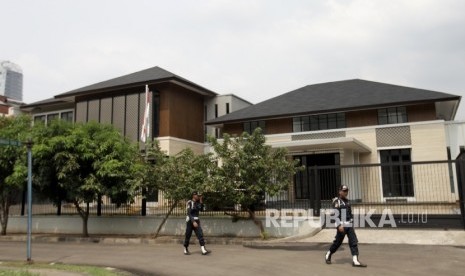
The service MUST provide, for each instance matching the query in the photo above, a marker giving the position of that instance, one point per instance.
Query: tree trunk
(258, 223)
(4, 212)
(165, 218)
(85, 217)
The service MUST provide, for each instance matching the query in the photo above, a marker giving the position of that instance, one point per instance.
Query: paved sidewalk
(386, 251)
(307, 259)
(376, 236)
(397, 236)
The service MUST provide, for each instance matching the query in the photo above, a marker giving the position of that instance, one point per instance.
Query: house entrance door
(320, 178)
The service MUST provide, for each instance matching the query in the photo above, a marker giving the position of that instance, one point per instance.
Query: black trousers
(198, 232)
(353, 241)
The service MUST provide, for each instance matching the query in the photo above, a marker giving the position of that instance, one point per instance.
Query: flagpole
(146, 135)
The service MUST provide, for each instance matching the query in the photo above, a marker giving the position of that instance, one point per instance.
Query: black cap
(195, 193)
(343, 188)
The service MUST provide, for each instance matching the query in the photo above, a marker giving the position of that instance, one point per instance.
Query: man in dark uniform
(194, 206)
(344, 225)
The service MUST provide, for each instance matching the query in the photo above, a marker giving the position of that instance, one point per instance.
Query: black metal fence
(421, 188)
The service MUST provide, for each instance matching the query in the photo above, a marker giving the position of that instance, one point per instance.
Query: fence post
(99, 205)
(460, 165)
(23, 201)
(313, 191)
(143, 211)
(317, 205)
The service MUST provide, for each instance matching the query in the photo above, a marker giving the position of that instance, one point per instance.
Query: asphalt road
(306, 259)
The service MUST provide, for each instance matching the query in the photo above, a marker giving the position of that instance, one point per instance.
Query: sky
(255, 49)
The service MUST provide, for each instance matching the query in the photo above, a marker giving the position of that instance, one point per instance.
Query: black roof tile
(148, 75)
(333, 97)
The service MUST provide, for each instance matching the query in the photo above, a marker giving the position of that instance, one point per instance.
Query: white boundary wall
(215, 227)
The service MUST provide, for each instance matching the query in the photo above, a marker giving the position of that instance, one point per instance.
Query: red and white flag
(146, 124)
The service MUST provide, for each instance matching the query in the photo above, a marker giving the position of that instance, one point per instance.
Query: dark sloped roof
(333, 97)
(45, 102)
(154, 74)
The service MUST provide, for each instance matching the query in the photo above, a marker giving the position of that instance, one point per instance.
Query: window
(51, 117)
(48, 118)
(40, 118)
(396, 173)
(227, 108)
(216, 111)
(392, 115)
(217, 133)
(249, 127)
(67, 116)
(319, 122)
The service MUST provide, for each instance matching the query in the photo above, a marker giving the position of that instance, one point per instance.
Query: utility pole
(29, 198)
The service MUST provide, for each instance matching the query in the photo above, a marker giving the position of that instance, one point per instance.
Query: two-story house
(337, 128)
(179, 107)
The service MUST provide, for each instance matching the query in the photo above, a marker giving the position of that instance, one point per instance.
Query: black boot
(328, 257)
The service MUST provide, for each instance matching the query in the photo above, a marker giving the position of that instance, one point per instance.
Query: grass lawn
(36, 269)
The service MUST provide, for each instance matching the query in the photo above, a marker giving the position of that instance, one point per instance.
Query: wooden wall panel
(81, 112)
(277, 126)
(106, 110)
(94, 111)
(119, 104)
(233, 129)
(362, 118)
(181, 114)
(421, 112)
(132, 117)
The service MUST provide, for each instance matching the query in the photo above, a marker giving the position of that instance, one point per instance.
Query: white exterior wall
(235, 103)
(428, 142)
(173, 145)
(455, 137)
(135, 225)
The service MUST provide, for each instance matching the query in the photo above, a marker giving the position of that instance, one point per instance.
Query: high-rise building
(11, 80)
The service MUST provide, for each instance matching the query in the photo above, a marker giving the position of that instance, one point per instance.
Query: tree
(45, 169)
(90, 160)
(182, 174)
(146, 173)
(13, 164)
(249, 169)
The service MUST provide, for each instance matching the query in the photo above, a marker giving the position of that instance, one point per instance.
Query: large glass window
(51, 117)
(39, 119)
(392, 115)
(48, 118)
(396, 171)
(67, 116)
(249, 127)
(319, 122)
